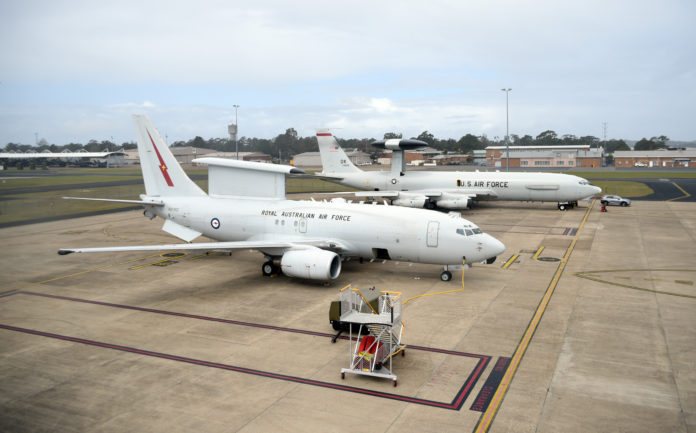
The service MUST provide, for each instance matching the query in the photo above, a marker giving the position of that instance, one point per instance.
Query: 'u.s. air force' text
(307, 215)
(486, 184)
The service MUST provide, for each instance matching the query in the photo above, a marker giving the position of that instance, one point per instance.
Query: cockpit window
(584, 182)
(469, 231)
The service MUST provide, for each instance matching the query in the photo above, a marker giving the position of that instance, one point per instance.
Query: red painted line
(323, 134)
(162, 166)
(232, 322)
(455, 405)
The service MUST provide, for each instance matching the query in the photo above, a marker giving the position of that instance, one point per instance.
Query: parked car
(614, 200)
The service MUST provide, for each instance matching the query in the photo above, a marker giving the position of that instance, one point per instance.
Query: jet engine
(417, 201)
(454, 202)
(312, 264)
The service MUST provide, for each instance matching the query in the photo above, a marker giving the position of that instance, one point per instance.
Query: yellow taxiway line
(510, 261)
(536, 255)
(24, 286)
(686, 194)
(487, 417)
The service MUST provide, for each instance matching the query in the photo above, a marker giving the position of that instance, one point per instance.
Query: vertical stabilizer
(333, 158)
(162, 174)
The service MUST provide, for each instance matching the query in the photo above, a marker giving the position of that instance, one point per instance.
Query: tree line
(286, 145)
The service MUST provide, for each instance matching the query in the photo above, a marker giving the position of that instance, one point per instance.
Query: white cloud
(372, 67)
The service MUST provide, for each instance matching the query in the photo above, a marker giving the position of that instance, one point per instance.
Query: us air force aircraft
(246, 209)
(445, 189)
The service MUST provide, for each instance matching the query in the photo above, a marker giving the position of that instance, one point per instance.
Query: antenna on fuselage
(399, 146)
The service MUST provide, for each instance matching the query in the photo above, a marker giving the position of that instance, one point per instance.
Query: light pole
(236, 126)
(507, 126)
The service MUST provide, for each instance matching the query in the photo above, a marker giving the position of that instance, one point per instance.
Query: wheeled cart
(370, 354)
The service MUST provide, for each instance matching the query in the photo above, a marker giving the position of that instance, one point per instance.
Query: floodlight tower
(232, 129)
(507, 126)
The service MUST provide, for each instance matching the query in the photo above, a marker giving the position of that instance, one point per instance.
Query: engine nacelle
(417, 202)
(454, 203)
(312, 264)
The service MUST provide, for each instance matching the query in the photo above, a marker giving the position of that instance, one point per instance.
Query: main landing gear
(269, 268)
(567, 205)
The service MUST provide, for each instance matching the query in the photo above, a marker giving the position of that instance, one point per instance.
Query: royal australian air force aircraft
(246, 208)
(445, 189)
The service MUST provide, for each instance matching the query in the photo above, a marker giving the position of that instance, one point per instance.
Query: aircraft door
(303, 225)
(433, 229)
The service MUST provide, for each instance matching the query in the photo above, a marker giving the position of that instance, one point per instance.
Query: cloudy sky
(71, 71)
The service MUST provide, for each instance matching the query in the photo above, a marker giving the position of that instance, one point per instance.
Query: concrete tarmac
(596, 331)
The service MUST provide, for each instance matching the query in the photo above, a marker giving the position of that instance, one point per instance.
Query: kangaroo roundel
(215, 223)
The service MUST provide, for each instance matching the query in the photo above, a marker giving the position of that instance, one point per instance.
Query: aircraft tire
(268, 269)
(446, 276)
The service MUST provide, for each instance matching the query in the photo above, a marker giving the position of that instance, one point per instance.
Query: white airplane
(246, 209)
(445, 189)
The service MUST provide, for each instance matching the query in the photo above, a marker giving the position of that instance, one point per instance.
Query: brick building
(545, 156)
(655, 158)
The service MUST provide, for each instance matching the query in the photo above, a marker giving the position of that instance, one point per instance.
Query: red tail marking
(162, 166)
(323, 134)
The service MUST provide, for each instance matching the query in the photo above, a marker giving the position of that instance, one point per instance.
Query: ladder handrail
(364, 299)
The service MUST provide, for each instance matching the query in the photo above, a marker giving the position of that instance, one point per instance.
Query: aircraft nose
(496, 247)
(492, 247)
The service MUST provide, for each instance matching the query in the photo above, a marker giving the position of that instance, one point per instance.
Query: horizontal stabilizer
(249, 165)
(181, 232)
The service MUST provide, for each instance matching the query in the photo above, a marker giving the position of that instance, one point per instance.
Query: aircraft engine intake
(312, 264)
(410, 201)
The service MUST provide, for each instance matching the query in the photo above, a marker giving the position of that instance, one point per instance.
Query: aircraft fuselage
(525, 186)
(363, 230)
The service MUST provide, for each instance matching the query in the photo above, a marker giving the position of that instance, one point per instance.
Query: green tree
(589, 139)
(427, 137)
(547, 138)
(389, 135)
(645, 144)
(527, 140)
(611, 146)
(197, 142)
(286, 144)
(468, 143)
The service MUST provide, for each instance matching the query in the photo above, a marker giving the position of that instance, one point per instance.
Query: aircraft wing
(480, 194)
(321, 176)
(140, 202)
(215, 246)
(386, 194)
